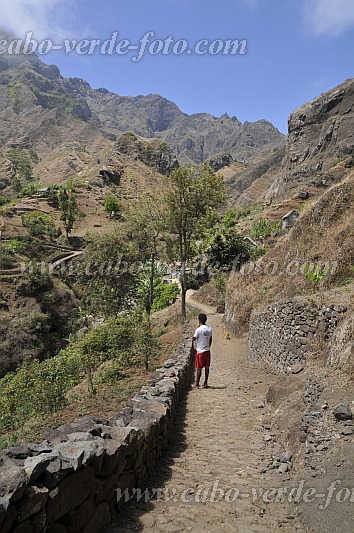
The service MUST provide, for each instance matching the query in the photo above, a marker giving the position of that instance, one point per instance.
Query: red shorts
(202, 359)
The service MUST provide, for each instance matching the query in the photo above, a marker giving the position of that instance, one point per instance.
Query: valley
(111, 209)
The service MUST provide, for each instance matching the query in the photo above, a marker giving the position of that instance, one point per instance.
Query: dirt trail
(219, 442)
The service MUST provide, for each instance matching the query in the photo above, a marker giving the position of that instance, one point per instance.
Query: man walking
(204, 337)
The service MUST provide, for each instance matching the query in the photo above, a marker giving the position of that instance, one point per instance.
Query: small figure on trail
(204, 337)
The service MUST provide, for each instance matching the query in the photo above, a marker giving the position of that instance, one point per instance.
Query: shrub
(257, 253)
(37, 278)
(315, 273)
(220, 282)
(12, 246)
(230, 218)
(36, 388)
(29, 189)
(39, 224)
(228, 250)
(7, 250)
(34, 155)
(52, 196)
(40, 388)
(111, 374)
(350, 163)
(38, 323)
(110, 338)
(164, 295)
(262, 228)
(17, 184)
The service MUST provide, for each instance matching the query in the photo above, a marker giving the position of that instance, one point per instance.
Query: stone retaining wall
(69, 482)
(285, 333)
(341, 350)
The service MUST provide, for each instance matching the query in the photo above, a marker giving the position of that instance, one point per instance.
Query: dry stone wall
(69, 483)
(285, 333)
(341, 350)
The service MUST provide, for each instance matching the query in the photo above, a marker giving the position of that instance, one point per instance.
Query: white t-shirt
(203, 334)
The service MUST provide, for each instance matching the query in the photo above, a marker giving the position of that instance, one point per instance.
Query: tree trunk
(184, 290)
(151, 287)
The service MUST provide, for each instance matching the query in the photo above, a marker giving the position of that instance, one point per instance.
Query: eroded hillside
(323, 234)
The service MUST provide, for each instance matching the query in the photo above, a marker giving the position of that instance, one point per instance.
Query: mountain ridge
(27, 84)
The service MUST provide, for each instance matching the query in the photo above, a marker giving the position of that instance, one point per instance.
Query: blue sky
(296, 49)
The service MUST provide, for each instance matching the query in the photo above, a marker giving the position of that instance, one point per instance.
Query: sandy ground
(219, 443)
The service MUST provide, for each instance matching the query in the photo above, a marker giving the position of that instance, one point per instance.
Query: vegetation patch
(40, 388)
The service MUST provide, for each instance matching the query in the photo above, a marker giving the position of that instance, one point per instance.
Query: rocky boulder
(220, 161)
(343, 412)
(152, 152)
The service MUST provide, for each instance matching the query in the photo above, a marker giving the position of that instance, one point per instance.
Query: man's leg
(199, 374)
(205, 384)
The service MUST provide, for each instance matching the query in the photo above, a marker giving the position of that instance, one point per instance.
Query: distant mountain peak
(197, 137)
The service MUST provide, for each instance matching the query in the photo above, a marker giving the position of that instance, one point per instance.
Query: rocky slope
(320, 137)
(35, 319)
(298, 313)
(249, 182)
(33, 322)
(152, 152)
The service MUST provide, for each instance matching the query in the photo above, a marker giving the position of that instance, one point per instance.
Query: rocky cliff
(320, 138)
(194, 137)
(249, 182)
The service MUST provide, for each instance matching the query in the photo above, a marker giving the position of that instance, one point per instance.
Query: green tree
(113, 206)
(21, 163)
(68, 209)
(106, 272)
(227, 249)
(147, 223)
(17, 184)
(145, 345)
(165, 295)
(192, 192)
